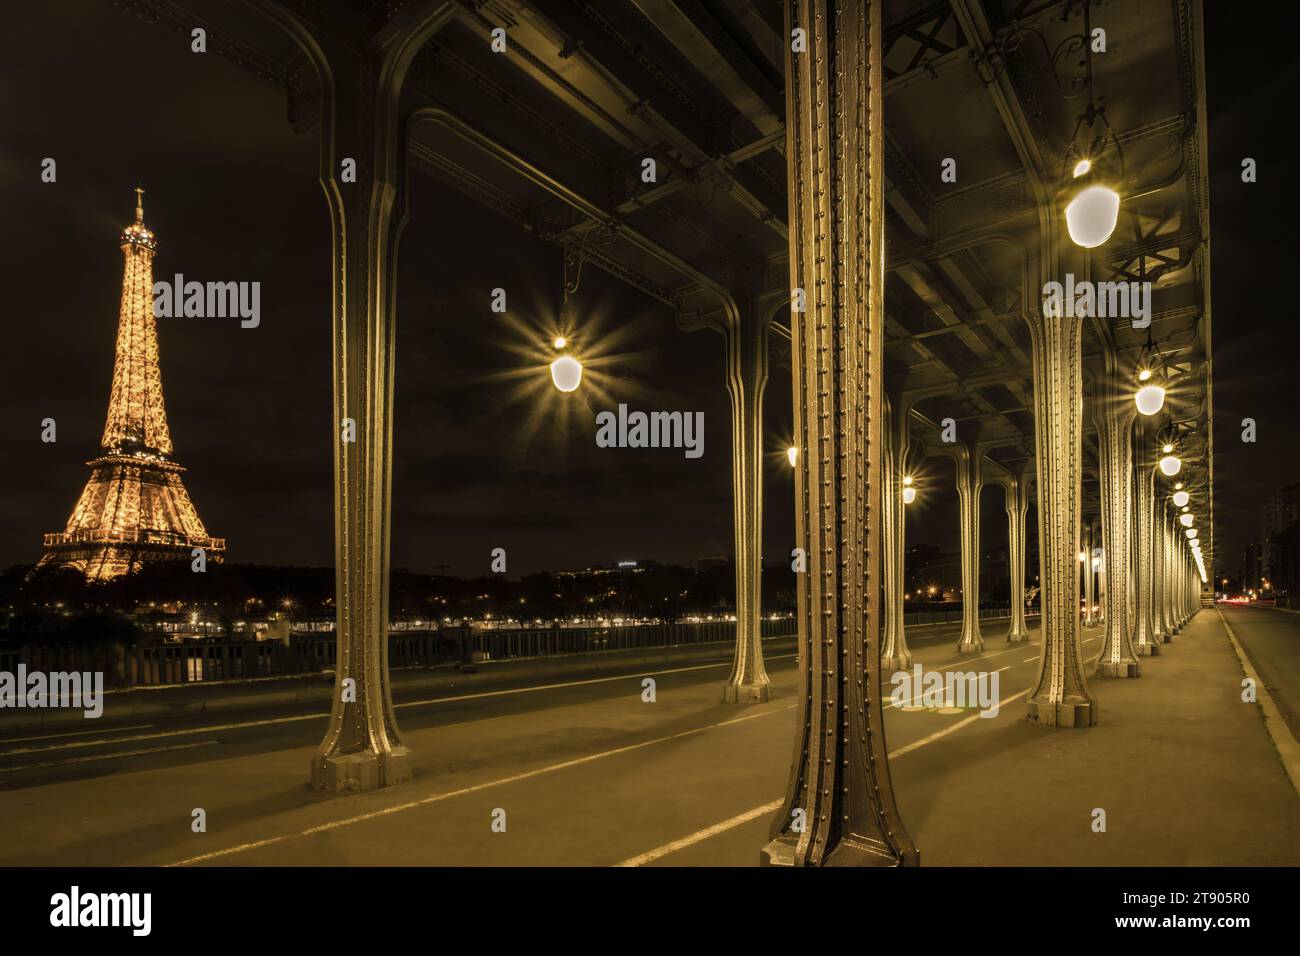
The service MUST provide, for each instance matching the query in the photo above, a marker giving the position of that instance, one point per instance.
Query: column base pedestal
(364, 770)
(1119, 669)
(747, 693)
(1014, 637)
(851, 851)
(1072, 712)
(970, 645)
(1148, 650)
(891, 665)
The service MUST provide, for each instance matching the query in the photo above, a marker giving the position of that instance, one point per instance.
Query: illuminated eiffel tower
(134, 509)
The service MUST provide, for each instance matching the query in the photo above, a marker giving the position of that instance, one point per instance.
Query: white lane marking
(923, 693)
(577, 683)
(699, 835)
(438, 797)
(125, 753)
(218, 728)
(964, 722)
(76, 733)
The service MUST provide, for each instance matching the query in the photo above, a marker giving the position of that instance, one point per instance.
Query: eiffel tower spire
(134, 509)
(136, 416)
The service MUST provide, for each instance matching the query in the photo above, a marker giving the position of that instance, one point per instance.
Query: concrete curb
(1288, 750)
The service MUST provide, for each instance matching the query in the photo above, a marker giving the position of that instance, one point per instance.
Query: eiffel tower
(134, 509)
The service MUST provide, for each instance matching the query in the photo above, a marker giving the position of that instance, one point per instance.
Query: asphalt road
(589, 728)
(1271, 639)
(584, 772)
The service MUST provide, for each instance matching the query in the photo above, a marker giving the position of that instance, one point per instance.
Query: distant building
(1284, 580)
(1280, 511)
(1251, 576)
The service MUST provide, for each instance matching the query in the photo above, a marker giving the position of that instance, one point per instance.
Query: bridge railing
(215, 659)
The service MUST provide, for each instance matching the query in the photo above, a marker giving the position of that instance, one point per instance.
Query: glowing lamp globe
(1150, 399)
(566, 373)
(1185, 520)
(1091, 216)
(1190, 532)
(1181, 498)
(1082, 556)
(792, 455)
(1170, 465)
(909, 495)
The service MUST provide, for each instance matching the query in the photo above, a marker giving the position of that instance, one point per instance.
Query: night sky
(487, 453)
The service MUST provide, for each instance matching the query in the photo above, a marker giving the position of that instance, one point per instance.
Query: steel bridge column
(1017, 503)
(1159, 626)
(1060, 697)
(970, 481)
(894, 655)
(839, 807)
(746, 343)
(1115, 447)
(1145, 637)
(1089, 618)
(1171, 556)
(1187, 587)
(363, 119)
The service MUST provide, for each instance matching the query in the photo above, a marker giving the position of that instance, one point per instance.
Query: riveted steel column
(1184, 586)
(970, 481)
(363, 118)
(1171, 556)
(1017, 502)
(839, 807)
(1159, 630)
(1060, 697)
(746, 380)
(1115, 448)
(1089, 618)
(894, 655)
(1145, 640)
